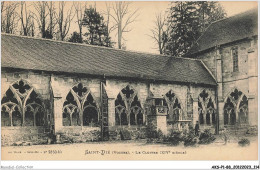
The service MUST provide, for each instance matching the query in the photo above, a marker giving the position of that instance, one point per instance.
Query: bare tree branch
(79, 11)
(122, 17)
(9, 19)
(40, 16)
(159, 32)
(64, 20)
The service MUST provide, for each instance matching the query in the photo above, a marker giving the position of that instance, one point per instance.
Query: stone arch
(90, 111)
(234, 99)
(177, 97)
(230, 91)
(211, 96)
(74, 105)
(28, 104)
(175, 107)
(135, 92)
(125, 113)
(206, 107)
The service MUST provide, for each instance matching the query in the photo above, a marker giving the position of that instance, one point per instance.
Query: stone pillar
(253, 84)
(221, 114)
(57, 105)
(220, 104)
(204, 117)
(111, 112)
(57, 113)
(162, 123)
(195, 111)
(210, 118)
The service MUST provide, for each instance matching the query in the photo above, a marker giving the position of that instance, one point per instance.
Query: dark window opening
(234, 53)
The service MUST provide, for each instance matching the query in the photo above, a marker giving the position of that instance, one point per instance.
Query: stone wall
(78, 134)
(244, 80)
(54, 89)
(27, 134)
(11, 136)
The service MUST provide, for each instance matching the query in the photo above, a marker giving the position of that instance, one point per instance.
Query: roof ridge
(215, 22)
(54, 56)
(83, 44)
(235, 15)
(95, 46)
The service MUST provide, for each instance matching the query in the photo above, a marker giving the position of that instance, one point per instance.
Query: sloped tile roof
(228, 30)
(56, 56)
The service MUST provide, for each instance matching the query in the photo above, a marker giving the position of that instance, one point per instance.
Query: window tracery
(232, 113)
(22, 106)
(174, 106)
(128, 110)
(80, 108)
(206, 109)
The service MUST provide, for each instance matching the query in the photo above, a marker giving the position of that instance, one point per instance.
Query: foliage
(141, 134)
(174, 138)
(154, 135)
(244, 142)
(75, 38)
(125, 134)
(190, 138)
(206, 137)
(151, 131)
(97, 33)
(187, 21)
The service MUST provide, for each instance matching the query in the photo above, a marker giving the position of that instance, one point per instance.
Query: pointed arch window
(80, 108)
(234, 53)
(201, 114)
(128, 110)
(206, 109)
(236, 108)
(243, 110)
(175, 111)
(22, 106)
(136, 115)
(90, 112)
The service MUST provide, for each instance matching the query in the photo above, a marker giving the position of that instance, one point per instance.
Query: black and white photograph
(130, 81)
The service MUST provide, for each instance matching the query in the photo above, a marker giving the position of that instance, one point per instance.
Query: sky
(137, 39)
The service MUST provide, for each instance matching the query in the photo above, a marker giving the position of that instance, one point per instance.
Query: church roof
(228, 30)
(57, 56)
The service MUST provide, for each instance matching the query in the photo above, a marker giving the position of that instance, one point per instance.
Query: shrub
(244, 142)
(174, 138)
(151, 131)
(190, 139)
(160, 136)
(153, 135)
(125, 135)
(206, 137)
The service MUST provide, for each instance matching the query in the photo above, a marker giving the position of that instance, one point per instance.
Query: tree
(52, 19)
(208, 12)
(40, 16)
(182, 27)
(108, 13)
(46, 18)
(9, 17)
(75, 38)
(27, 23)
(123, 17)
(96, 29)
(79, 10)
(159, 32)
(187, 21)
(64, 20)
